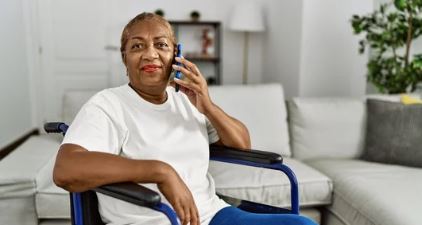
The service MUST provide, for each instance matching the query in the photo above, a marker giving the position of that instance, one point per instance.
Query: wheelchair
(84, 205)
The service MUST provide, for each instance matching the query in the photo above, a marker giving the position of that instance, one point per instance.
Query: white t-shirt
(120, 122)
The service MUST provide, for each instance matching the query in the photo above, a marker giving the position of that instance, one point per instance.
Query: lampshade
(247, 16)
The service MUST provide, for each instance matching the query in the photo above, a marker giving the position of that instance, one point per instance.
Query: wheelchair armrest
(131, 192)
(55, 127)
(250, 155)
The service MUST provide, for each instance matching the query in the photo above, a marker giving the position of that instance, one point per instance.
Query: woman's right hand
(180, 197)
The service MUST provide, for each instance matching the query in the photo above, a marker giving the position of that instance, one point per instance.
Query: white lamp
(247, 17)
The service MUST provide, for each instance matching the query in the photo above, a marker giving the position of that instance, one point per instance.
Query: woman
(147, 133)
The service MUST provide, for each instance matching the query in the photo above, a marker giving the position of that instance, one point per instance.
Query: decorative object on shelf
(202, 40)
(207, 43)
(195, 15)
(159, 12)
(389, 32)
(247, 17)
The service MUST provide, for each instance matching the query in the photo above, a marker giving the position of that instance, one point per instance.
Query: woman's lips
(150, 68)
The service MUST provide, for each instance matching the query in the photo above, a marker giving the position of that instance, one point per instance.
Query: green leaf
(401, 5)
(417, 63)
(392, 17)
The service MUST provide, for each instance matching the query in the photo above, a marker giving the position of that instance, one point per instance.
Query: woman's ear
(174, 55)
(175, 50)
(124, 58)
(125, 63)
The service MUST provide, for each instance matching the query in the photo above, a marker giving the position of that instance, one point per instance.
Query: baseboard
(9, 148)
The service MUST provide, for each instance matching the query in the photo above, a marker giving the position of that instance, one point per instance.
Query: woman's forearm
(77, 169)
(231, 131)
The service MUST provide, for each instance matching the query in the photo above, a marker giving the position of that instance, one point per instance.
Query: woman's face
(148, 55)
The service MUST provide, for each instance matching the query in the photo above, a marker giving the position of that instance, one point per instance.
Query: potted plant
(389, 33)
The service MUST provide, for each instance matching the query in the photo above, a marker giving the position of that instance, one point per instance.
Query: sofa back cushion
(394, 133)
(326, 127)
(72, 103)
(261, 108)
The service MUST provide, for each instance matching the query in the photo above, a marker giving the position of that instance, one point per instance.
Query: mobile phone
(178, 74)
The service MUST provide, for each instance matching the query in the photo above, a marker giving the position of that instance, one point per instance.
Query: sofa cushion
(368, 193)
(72, 103)
(394, 133)
(261, 108)
(326, 127)
(270, 186)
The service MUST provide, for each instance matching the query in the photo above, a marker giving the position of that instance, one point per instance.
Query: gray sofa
(321, 139)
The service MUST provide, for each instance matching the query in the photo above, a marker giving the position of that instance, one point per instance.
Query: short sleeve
(96, 130)
(212, 132)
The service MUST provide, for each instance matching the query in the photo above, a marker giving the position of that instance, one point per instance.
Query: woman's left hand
(195, 86)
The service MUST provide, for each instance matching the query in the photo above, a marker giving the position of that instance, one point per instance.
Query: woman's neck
(158, 98)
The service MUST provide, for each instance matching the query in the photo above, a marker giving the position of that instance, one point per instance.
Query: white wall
(282, 44)
(15, 106)
(330, 64)
(297, 49)
(309, 47)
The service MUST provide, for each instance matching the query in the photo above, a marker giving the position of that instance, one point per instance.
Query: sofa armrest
(131, 192)
(18, 179)
(250, 155)
(21, 167)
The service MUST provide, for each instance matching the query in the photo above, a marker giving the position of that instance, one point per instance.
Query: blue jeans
(234, 216)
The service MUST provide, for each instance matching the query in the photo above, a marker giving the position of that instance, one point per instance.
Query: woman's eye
(136, 46)
(162, 45)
